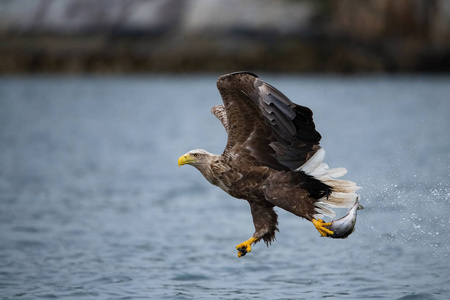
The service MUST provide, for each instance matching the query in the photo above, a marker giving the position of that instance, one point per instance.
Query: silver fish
(344, 226)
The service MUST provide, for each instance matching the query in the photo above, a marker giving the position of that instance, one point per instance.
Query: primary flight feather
(272, 158)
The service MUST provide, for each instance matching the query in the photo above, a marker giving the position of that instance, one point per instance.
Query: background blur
(94, 206)
(215, 35)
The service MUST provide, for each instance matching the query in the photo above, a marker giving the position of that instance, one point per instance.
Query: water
(94, 206)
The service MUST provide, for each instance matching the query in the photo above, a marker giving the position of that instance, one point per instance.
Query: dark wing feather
(249, 137)
(221, 114)
(264, 126)
(296, 136)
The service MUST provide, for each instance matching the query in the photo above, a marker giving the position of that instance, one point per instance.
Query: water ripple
(94, 206)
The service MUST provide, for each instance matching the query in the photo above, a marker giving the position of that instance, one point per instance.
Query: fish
(344, 226)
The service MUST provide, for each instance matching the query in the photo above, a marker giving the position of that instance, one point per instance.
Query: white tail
(343, 191)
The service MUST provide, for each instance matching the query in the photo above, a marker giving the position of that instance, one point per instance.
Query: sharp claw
(323, 222)
(320, 226)
(245, 247)
(242, 251)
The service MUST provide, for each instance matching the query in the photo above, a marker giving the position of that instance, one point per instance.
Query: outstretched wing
(264, 126)
(221, 114)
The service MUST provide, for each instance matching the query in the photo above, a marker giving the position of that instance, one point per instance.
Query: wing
(264, 126)
(221, 114)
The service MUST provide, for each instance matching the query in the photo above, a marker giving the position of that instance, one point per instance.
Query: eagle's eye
(195, 154)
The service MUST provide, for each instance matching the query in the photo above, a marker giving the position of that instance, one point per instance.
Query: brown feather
(270, 139)
(266, 125)
(221, 114)
(295, 192)
(265, 221)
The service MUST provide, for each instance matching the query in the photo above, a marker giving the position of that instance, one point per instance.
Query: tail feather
(343, 191)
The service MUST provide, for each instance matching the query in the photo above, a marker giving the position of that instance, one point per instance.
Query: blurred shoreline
(347, 36)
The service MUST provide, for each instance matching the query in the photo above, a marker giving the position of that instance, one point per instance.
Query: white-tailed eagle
(272, 158)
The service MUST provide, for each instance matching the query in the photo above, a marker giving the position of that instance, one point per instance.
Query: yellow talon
(320, 226)
(245, 247)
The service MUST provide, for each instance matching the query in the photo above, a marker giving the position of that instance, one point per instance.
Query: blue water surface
(94, 206)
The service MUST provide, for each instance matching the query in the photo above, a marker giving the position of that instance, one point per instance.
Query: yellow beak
(185, 159)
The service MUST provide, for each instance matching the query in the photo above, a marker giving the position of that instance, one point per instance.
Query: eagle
(272, 159)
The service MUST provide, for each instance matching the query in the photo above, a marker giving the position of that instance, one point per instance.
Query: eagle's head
(198, 158)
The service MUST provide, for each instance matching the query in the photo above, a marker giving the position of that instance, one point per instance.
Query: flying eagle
(272, 158)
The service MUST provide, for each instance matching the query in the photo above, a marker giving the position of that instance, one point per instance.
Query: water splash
(415, 214)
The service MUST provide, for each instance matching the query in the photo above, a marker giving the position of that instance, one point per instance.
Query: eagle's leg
(320, 226)
(265, 222)
(245, 247)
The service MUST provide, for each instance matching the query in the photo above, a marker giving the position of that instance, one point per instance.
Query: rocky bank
(223, 35)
